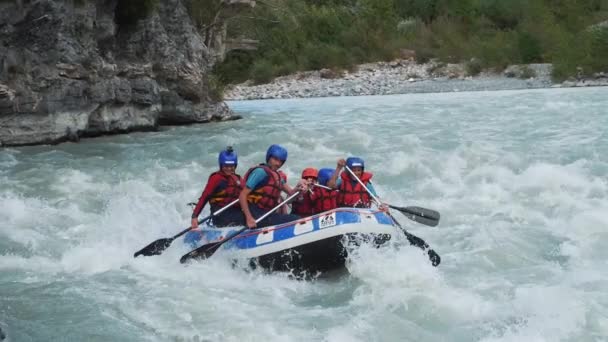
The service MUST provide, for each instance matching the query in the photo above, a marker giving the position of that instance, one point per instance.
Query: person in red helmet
(262, 191)
(351, 192)
(302, 206)
(223, 187)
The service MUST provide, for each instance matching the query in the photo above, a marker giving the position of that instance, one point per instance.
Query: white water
(520, 178)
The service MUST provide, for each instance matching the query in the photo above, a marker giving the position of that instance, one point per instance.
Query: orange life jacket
(324, 199)
(227, 194)
(266, 196)
(354, 195)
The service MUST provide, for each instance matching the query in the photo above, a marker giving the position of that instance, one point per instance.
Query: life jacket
(266, 196)
(302, 207)
(354, 195)
(229, 190)
(324, 200)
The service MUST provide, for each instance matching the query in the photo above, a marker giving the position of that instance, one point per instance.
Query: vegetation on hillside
(313, 34)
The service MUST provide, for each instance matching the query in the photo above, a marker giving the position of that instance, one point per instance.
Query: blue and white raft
(312, 245)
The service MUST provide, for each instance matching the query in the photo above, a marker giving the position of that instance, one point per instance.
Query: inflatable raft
(310, 245)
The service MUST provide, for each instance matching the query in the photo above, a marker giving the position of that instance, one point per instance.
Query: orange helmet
(310, 172)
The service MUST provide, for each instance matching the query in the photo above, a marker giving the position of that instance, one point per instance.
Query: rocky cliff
(70, 69)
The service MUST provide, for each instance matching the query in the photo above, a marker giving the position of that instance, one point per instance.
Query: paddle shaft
(421, 215)
(431, 215)
(277, 207)
(158, 246)
(363, 185)
(206, 218)
(323, 186)
(418, 242)
(413, 239)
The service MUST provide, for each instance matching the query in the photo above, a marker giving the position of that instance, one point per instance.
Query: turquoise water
(520, 178)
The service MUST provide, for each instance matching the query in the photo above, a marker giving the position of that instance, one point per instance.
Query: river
(519, 177)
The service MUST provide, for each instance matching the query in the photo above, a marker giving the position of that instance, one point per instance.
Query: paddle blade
(203, 252)
(421, 215)
(434, 257)
(155, 248)
(423, 212)
(415, 241)
(418, 242)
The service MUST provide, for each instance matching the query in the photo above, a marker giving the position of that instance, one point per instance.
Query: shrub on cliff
(326, 56)
(582, 54)
(262, 71)
(529, 48)
(598, 57)
(216, 87)
(473, 67)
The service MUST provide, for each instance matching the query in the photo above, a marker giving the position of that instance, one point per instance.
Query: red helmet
(310, 172)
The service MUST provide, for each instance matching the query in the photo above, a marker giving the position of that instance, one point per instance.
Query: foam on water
(519, 179)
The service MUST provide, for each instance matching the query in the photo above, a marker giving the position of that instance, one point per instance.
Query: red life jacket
(324, 199)
(354, 195)
(266, 196)
(302, 207)
(227, 194)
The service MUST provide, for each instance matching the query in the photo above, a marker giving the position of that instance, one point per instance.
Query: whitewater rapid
(519, 177)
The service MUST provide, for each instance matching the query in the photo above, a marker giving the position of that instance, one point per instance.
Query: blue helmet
(227, 157)
(325, 175)
(355, 162)
(276, 151)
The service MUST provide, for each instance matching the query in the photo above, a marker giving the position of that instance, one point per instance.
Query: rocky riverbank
(401, 77)
(70, 69)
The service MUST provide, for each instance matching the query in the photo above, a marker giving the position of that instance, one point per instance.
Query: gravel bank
(402, 77)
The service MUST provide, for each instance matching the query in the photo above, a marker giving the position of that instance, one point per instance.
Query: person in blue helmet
(263, 187)
(324, 198)
(351, 192)
(223, 187)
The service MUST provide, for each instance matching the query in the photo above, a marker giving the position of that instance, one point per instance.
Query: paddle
(158, 246)
(324, 187)
(205, 251)
(418, 242)
(413, 239)
(421, 215)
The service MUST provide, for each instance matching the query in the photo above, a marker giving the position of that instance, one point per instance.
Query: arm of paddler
(212, 184)
(249, 220)
(382, 206)
(255, 178)
(333, 181)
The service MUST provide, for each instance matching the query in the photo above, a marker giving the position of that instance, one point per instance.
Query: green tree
(529, 47)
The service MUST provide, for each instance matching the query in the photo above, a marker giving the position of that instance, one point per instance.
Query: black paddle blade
(416, 241)
(203, 252)
(428, 213)
(421, 215)
(155, 248)
(434, 257)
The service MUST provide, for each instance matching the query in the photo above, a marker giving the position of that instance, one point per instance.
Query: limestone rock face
(68, 69)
